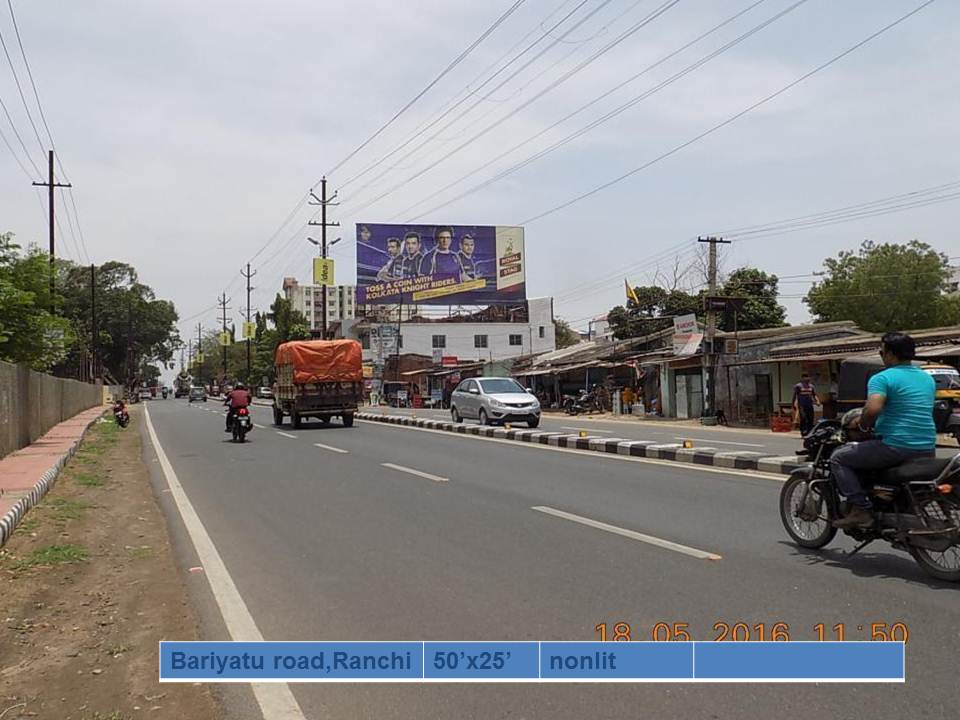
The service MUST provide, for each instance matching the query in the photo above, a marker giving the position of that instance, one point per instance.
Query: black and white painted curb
(736, 459)
(13, 516)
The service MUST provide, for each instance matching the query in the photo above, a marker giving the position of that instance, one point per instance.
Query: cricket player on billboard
(442, 264)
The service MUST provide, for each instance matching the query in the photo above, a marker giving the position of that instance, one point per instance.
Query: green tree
(565, 335)
(654, 311)
(134, 326)
(29, 333)
(761, 309)
(885, 287)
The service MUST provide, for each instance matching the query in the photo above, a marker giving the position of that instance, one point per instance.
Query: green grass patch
(115, 715)
(64, 509)
(28, 524)
(140, 553)
(53, 555)
(88, 479)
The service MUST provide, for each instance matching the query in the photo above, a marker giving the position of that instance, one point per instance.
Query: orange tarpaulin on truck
(318, 361)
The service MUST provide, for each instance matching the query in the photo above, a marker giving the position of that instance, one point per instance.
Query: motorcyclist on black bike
(900, 409)
(237, 398)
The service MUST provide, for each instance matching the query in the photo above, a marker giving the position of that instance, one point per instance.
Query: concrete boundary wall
(31, 403)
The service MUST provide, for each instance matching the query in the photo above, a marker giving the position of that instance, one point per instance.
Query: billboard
(440, 264)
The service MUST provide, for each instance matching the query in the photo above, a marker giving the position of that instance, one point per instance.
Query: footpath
(90, 583)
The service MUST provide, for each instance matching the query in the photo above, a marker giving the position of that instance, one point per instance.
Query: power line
(16, 132)
(729, 120)
(456, 61)
(23, 98)
(636, 27)
(551, 86)
(602, 119)
(581, 21)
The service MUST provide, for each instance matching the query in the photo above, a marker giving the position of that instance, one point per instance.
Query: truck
(317, 378)
(181, 384)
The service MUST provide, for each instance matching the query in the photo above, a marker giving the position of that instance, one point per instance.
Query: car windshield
(500, 385)
(945, 378)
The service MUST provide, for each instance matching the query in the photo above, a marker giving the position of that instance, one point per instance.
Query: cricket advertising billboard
(440, 264)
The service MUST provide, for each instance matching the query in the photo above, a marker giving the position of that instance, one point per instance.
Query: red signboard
(449, 361)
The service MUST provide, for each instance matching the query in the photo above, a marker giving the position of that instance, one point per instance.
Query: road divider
(732, 459)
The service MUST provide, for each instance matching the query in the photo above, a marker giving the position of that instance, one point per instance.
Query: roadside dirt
(88, 587)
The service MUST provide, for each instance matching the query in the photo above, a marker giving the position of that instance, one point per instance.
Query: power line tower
(50, 184)
(709, 356)
(222, 302)
(248, 275)
(323, 201)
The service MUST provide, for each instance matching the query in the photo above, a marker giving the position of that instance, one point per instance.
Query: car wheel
(455, 415)
(483, 417)
(533, 422)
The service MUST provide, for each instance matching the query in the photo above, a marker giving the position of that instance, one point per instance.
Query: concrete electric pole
(709, 357)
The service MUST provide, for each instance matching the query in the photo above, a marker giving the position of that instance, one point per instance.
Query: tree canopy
(886, 287)
(565, 335)
(658, 306)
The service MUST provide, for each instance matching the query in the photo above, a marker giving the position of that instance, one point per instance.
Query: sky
(190, 131)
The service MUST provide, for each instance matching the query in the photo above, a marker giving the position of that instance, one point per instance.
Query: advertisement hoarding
(323, 271)
(440, 264)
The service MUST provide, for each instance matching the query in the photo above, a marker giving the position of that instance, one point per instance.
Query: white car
(264, 392)
(493, 400)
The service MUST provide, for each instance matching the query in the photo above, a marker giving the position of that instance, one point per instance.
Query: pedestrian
(627, 398)
(804, 398)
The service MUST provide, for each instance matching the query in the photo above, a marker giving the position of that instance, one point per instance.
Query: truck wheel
(295, 420)
(277, 416)
(347, 419)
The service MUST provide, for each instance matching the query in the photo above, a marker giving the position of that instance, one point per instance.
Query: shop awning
(935, 351)
(822, 357)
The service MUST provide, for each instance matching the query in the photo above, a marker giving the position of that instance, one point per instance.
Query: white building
(308, 299)
(466, 341)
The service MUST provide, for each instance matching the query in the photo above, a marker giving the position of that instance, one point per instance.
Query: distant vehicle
(165, 391)
(197, 393)
(318, 378)
(494, 399)
(182, 384)
(264, 392)
(145, 394)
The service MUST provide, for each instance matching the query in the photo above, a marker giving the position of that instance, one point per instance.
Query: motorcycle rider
(900, 408)
(237, 398)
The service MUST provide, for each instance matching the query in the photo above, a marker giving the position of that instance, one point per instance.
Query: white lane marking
(275, 699)
(587, 430)
(649, 539)
(419, 473)
(259, 426)
(330, 448)
(721, 442)
(592, 453)
(293, 437)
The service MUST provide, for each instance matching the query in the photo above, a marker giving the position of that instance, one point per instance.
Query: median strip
(674, 452)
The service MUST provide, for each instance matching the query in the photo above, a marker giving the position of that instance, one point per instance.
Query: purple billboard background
(380, 274)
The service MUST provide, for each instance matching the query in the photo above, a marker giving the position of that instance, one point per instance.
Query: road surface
(383, 532)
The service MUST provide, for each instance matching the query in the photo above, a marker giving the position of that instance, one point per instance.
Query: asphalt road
(324, 544)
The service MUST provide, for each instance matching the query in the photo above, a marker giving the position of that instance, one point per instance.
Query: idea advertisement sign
(440, 264)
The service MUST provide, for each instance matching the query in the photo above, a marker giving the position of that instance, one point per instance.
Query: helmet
(241, 386)
(850, 424)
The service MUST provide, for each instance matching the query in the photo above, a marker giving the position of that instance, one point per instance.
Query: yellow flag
(631, 293)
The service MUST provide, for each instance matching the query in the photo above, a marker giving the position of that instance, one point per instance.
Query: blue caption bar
(531, 661)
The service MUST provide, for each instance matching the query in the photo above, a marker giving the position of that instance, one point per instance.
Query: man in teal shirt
(900, 408)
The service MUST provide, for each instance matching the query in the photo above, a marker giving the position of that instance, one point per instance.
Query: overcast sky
(191, 130)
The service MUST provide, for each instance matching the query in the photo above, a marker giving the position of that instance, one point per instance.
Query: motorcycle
(585, 402)
(916, 506)
(121, 416)
(240, 424)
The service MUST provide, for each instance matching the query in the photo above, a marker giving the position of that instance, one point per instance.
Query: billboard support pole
(396, 355)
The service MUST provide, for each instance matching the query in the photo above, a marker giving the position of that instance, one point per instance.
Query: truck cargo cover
(319, 361)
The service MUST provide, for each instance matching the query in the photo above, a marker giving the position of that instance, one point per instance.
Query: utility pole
(396, 358)
(709, 357)
(248, 275)
(94, 339)
(200, 353)
(50, 185)
(223, 309)
(323, 201)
